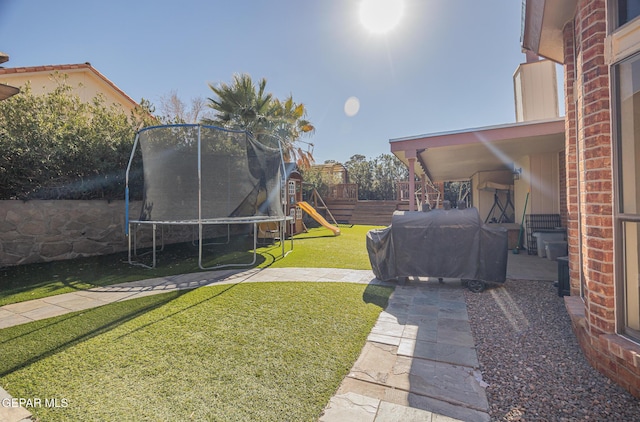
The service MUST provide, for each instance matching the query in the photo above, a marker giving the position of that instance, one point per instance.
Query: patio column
(412, 183)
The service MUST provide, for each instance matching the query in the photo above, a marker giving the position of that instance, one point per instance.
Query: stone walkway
(419, 362)
(24, 312)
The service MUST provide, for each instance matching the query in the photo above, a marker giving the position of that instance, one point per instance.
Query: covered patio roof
(459, 155)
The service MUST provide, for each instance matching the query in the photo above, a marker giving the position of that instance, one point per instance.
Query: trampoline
(199, 176)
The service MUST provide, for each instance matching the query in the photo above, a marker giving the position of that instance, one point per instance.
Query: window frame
(620, 217)
(614, 15)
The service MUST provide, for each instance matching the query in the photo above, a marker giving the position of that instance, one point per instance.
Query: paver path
(419, 362)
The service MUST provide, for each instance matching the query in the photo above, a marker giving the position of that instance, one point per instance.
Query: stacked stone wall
(41, 231)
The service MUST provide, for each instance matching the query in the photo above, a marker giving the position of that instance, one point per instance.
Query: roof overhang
(7, 91)
(543, 23)
(459, 155)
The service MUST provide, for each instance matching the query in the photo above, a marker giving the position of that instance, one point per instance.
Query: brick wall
(562, 171)
(594, 135)
(589, 194)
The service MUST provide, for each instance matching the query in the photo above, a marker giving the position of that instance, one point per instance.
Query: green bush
(54, 146)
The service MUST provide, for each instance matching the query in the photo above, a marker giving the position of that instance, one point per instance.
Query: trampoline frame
(218, 221)
(202, 222)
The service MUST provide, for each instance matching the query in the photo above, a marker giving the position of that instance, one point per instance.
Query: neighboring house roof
(24, 73)
(459, 155)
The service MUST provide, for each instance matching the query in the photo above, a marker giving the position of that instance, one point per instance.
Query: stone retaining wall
(40, 231)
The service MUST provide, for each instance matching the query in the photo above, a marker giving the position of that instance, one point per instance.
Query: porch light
(516, 173)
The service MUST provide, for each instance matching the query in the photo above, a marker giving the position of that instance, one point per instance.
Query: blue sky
(448, 65)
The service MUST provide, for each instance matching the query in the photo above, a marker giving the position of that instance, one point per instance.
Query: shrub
(54, 146)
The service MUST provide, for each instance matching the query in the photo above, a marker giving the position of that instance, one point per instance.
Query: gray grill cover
(440, 243)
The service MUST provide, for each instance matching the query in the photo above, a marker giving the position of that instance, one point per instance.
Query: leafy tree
(56, 146)
(377, 178)
(244, 105)
(458, 191)
(314, 178)
(387, 171)
(361, 172)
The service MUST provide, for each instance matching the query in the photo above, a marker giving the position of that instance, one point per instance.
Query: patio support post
(412, 183)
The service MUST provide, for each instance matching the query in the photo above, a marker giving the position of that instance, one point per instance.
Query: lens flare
(351, 106)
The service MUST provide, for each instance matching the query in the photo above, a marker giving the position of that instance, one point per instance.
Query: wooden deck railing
(426, 193)
(344, 192)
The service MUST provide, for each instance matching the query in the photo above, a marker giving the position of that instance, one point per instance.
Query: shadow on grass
(268, 254)
(34, 281)
(377, 294)
(305, 237)
(171, 315)
(26, 344)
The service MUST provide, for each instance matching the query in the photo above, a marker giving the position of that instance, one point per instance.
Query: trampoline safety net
(204, 175)
(195, 172)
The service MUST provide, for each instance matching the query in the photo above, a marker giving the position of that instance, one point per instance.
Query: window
(625, 11)
(627, 216)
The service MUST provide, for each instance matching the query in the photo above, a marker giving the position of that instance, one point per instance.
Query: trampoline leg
(283, 235)
(133, 247)
(129, 239)
(154, 246)
(215, 267)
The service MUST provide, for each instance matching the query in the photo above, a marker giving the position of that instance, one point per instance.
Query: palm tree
(289, 124)
(240, 105)
(245, 105)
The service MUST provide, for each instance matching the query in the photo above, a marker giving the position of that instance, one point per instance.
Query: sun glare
(381, 16)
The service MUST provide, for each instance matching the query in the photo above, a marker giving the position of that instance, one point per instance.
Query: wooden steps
(341, 210)
(374, 213)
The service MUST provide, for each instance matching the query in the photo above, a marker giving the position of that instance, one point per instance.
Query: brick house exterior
(593, 39)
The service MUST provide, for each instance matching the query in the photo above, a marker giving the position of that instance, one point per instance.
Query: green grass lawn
(253, 351)
(318, 248)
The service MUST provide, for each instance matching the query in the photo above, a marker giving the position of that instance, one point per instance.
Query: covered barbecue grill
(441, 243)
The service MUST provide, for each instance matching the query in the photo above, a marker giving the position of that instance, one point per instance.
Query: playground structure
(319, 218)
(295, 206)
(201, 176)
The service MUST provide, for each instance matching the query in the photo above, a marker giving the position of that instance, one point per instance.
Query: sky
(447, 65)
